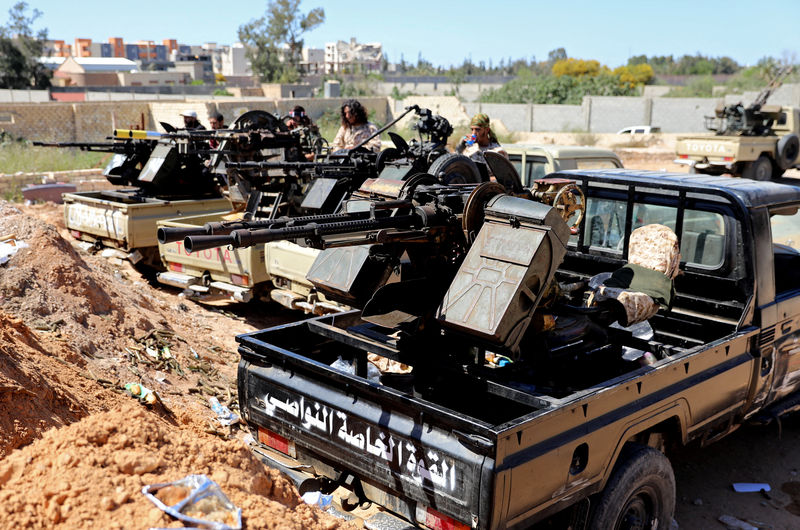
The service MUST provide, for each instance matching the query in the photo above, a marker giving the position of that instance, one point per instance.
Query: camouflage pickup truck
(572, 430)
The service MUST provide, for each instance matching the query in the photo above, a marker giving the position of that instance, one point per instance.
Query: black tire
(788, 149)
(453, 168)
(639, 495)
(761, 169)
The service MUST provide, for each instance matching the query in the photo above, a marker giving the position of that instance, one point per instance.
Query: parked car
(535, 161)
(639, 129)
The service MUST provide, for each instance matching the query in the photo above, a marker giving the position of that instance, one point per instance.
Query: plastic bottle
(471, 140)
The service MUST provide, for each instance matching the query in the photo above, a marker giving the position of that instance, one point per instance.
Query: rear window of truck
(703, 234)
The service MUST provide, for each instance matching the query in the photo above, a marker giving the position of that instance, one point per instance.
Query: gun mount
(755, 119)
(420, 256)
(130, 155)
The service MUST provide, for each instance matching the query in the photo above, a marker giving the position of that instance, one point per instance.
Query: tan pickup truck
(761, 146)
(126, 220)
(275, 271)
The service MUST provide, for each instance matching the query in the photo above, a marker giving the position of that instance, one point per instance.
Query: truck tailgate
(391, 440)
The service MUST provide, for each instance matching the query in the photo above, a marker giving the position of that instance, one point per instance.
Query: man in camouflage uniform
(355, 129)
(482, 139)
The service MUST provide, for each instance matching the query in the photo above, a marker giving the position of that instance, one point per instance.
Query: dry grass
(20, 157)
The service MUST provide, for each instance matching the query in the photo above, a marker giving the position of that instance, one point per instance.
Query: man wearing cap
(481, 140)
(190, 122)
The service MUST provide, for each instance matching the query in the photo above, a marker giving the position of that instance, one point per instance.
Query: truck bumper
(704, 164)
(306, 481)
(193, 288)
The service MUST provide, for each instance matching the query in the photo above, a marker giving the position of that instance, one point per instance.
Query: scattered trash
(194, 353)
(142, 393)
(113, 253)
(224, 414)
(750, 487)
(736, 524)
(673, 524)
(497, 359)
(698, 502)
(373, 373)
(249, 439)
(10, 245)
(198, 500)
(316, 498)
(161, 377)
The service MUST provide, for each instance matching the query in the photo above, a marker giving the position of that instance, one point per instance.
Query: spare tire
(453, 168)
(788, 149)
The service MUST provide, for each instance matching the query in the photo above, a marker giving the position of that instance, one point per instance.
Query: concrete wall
(8, 95)
(71, 122)
(610, 114)
(93, 120)
(675, 115)
(467, 91)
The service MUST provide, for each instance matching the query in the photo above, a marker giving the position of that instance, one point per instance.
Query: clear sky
(447, 32)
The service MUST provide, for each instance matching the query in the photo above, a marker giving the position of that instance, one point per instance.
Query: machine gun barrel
(315, 230)
(104, 147)
(385, 127)
(224, 228)
(310, 227)
(168, 234)
(271, 165)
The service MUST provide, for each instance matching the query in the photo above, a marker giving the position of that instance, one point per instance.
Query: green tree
(274, 42)
(20, 49)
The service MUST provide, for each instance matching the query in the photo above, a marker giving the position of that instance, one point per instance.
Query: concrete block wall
(48, 122)
(170, 112)
(558, 118)
(9, 95)
(467, 91)
(676, 115)
(610, 114)
(96, 121)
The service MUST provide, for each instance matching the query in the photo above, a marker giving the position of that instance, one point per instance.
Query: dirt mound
(39, 389)
(91, 474)
(48, 284)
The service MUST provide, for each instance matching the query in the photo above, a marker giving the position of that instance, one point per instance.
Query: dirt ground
(76, 448)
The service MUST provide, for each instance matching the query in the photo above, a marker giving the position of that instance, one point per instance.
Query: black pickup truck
(573, 429)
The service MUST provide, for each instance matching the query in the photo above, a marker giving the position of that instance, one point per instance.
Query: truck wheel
(639, 495)
(788, 149)
(453, 168)
(761, 169)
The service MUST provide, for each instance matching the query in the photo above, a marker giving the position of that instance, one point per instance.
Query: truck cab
(535, 161)
(571, 424)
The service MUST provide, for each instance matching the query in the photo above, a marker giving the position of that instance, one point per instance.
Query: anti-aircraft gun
(171, 174)
(756, 119)
(757, 141)
(337, 175)
(436, 241)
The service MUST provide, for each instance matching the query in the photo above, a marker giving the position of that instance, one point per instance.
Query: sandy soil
(76, 447)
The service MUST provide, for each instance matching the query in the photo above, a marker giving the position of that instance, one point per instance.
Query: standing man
(481, 140)
(217, 121)
(355, 128)
(190, 122)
